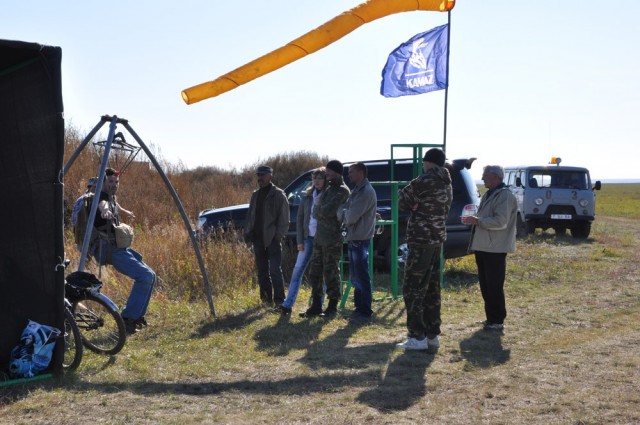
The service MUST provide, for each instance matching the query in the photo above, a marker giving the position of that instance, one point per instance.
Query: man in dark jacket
(267, 223)
(327, 244)
(428, 198)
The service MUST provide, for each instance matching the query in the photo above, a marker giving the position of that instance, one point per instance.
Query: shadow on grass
(21, 390)
(402, 385)
(453, 278)
(285, 336)
(334, 353)
(299, 385)
(302, 385)
(459, 279)
(337, 365)
(399, 388)
(484, 349)
(228, 323)
(331, 352)
(387, 313)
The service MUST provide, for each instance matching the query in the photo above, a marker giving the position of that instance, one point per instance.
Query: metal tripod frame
(114, 120)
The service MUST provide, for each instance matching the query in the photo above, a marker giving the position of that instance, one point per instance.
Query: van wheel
(581, 230)
(560, 231)
(524, 228)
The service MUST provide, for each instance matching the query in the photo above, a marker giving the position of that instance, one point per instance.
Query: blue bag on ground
(33, 354)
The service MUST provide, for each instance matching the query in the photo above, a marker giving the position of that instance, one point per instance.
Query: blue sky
(528, 80)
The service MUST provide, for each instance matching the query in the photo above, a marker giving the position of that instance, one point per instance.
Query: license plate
(561, 216)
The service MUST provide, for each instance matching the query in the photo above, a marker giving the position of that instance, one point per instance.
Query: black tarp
(31, 220)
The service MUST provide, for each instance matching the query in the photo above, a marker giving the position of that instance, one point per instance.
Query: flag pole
(446, 90)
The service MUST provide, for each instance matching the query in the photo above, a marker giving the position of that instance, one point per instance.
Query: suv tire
(524, 228)
(581, 230)
(560, 231)
(401, 255)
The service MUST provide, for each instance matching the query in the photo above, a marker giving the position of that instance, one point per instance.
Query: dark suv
(465, 194)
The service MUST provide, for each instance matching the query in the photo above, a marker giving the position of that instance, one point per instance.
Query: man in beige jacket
(494, 235)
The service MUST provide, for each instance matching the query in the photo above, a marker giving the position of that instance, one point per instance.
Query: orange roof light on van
(555, 160)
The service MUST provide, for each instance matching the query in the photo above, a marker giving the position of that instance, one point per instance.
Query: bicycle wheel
(101, 327)
(72, 343)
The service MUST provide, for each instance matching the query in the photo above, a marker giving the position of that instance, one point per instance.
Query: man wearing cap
(327, 244)
(266, 225)
(428, 200)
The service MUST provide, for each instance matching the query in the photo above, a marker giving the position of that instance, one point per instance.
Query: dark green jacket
(275, 220)
(328, 232)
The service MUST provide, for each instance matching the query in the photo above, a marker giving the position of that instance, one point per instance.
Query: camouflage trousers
(421, 291)
(325, 263)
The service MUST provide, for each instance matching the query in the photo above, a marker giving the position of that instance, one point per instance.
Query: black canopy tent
(31, 211)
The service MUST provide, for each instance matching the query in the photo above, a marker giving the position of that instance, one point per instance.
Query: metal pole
(96, 196)
(394, 239)
(446, 90)
(183, 214)
(444, 135)
(81, 146)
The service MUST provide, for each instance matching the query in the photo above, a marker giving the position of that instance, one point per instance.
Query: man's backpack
(82, 219)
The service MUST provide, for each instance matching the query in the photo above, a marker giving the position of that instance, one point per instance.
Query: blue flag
(417, 66)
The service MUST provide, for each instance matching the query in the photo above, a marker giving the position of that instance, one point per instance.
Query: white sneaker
(413, 344)
(433, 344)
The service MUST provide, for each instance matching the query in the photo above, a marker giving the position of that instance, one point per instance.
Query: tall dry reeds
(161, 236)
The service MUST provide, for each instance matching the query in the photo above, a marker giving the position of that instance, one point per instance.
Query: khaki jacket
(276, 216)
(496, 228)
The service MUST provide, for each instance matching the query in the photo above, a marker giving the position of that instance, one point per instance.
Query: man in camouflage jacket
(428, 199)
(327, 244)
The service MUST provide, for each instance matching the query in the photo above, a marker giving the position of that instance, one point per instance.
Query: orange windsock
(312, 41)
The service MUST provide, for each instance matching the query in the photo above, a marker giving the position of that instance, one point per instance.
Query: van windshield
(558, 179)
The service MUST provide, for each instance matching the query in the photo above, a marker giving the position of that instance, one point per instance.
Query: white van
(553, 196)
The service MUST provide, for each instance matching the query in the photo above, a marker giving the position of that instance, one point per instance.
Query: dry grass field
(570, 352)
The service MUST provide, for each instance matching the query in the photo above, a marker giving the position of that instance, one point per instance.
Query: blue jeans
(359, 275)
(268, 263)
(129, 262)
(304, 257)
